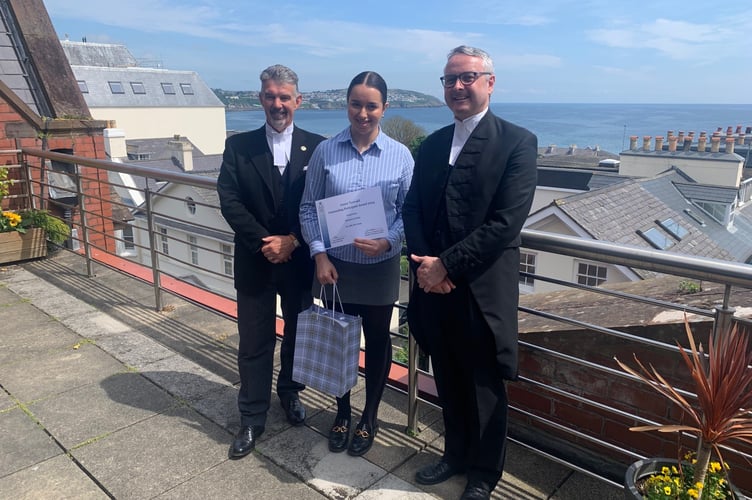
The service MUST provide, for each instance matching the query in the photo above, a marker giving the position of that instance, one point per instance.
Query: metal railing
(162, 229)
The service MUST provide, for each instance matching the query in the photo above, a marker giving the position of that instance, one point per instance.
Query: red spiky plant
(723, 385)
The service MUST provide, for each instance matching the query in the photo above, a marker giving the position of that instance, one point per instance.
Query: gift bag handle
(335, 297)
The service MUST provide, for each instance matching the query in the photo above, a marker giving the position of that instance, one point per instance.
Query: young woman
(366, 272)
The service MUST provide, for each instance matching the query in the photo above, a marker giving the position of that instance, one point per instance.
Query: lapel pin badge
(303, 148)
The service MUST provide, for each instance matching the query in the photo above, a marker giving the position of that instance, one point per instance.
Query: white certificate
(359, 214)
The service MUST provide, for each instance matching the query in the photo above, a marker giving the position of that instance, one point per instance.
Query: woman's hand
(325, 270)
(372, 248)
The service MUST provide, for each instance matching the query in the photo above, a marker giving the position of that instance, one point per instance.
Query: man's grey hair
(280, 74)
(473, 52)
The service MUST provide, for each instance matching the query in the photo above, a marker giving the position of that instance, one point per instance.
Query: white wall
(205, 127)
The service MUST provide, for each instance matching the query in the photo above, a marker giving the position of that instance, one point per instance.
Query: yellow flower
(667, 490)
(715, 466)
(13, 218)
(665, 471)
(693, 493)
(698, 485)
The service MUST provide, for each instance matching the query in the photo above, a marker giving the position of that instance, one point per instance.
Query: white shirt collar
(280, 144)
(462, 131)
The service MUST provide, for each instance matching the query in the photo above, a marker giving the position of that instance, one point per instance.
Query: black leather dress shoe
(362, 440)
(245, 441)
(294, 411)
(436, 473)
(339, 434)
(476, 490)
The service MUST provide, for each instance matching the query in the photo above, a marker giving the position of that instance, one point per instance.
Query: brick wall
(21, 129)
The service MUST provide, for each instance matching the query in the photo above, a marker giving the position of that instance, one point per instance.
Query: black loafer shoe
(362, 440)
(436, 473)
(245, 441)
(476, 490)
(294, 411)
(339, 434)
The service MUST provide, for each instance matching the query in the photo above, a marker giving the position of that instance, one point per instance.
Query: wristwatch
(295, 242)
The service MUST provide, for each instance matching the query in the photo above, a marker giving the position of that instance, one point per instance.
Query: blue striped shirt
(336, 167)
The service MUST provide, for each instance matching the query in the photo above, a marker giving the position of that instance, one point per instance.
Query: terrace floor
(101, 396)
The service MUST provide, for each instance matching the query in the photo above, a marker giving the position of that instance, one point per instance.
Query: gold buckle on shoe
(362, 433)
(340, 428)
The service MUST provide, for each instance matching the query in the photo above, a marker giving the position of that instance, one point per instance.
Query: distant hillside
(244, 100)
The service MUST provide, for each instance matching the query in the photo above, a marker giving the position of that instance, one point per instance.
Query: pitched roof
(616, 214)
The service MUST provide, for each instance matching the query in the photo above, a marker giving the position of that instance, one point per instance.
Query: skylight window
(695, 217)
(186, 88)
(657, 238)
(673, 228)
(82, 86)
(168, 88)
(117, 87)
(138, 88)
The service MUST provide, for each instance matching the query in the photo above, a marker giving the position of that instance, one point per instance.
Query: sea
(607, 126)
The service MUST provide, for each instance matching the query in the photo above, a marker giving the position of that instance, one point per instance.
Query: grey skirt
(366, 284)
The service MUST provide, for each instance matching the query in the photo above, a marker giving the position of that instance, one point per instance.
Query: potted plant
(722, 381)
(24, 233)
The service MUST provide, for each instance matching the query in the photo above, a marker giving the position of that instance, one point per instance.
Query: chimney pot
(633, 142)
(659, 143)
(715, 144)
(687, 144)
(738, 129)
(672, 143)
(740, 139)
(730, 145)
(646, 143)
(701, 143)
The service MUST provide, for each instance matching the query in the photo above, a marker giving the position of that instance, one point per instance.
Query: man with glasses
(472, 189)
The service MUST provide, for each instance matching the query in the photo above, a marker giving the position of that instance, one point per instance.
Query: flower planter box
(15, 246)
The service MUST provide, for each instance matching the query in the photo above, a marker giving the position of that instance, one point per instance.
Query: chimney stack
(182, 152)
(659, 143)
(646, 143)
(730, 145)
(633, 143)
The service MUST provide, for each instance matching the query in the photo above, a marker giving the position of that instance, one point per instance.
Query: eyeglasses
(467, 78)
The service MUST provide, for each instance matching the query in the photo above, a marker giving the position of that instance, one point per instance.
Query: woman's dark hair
(369, 79)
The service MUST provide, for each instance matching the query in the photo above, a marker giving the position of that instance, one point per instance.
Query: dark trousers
(257, 331)
(470, 387)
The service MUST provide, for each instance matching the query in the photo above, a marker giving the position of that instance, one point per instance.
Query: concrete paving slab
(394, 488)
(522, 468)
(183, 379)
(252, 477)
(120, 400)
(20, 344)
(155, 455)
(132, 348)
(451, 488)
(58, 371)
(580, 486)
(57, 477)
(6, 402)
(305, 453)
(221, 407)
(24, 443)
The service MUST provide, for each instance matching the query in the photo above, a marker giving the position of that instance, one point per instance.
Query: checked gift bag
(327, 348)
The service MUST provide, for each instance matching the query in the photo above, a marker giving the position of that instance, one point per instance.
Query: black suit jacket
(488, 195)
(248, 204)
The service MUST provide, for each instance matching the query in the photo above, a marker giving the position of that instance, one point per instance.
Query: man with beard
(260, 184)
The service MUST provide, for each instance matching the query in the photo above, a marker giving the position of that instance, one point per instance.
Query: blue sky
(544, 50)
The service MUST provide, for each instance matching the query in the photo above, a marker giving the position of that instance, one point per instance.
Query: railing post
(412, 375)
(724, 315)
(84, 224)
(153, 249)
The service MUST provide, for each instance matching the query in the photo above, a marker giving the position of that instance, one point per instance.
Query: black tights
(375, 320)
